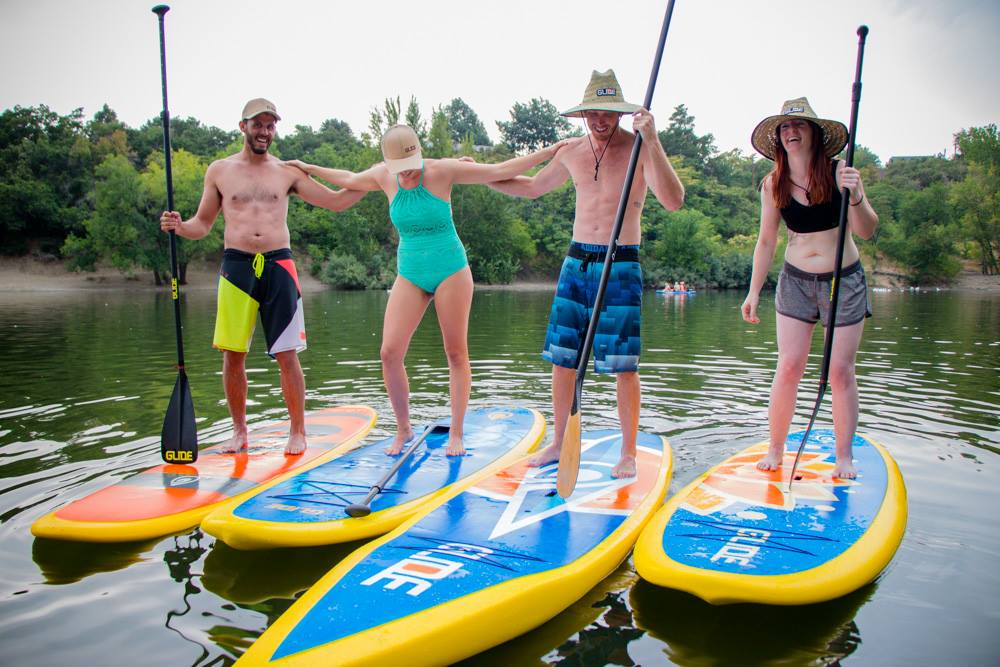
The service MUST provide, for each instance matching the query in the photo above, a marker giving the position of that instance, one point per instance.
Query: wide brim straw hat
(602, 94)
(765, 136)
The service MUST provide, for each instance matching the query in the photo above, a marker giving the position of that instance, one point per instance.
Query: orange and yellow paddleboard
(173, 497)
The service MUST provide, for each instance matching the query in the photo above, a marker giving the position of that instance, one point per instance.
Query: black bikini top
(817, 217)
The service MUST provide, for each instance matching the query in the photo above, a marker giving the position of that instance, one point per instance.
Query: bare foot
(296, 444)
(455, 447)
(547, 455)
(402, 437)
(625, 467)
(773, 459)
(845, 469)
(236, 443)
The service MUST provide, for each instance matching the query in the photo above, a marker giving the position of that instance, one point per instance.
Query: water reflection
(697, 633)
(86, 379)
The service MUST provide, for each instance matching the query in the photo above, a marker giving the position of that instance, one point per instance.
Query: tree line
(91, 191)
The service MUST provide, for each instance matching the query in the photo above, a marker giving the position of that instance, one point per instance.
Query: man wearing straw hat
(597, 162)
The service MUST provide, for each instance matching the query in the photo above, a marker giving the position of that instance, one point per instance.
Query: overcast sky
(931, 68)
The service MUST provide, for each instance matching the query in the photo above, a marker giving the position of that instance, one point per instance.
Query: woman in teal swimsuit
(431, 262)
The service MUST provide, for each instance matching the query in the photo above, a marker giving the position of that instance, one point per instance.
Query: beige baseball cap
(257, 106)
(401, 149)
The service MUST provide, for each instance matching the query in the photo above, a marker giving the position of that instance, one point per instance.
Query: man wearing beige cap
(597, 163)
(258, 274)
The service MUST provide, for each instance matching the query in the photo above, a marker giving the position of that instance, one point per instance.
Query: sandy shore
(25, 274)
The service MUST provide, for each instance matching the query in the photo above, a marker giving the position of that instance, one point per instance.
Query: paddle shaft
(160, 11)
(588, 341)
(362, 508)
(845, 196)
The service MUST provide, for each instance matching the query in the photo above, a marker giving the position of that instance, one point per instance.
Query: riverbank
(27, 274)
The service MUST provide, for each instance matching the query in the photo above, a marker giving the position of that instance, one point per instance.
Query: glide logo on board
(178, 457)
(742, 547)
(422, 569)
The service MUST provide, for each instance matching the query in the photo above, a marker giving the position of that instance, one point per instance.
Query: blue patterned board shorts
(616, 342)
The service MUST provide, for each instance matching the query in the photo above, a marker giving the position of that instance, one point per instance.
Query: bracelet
(859, 201)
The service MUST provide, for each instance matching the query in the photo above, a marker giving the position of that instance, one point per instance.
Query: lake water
(85, 378)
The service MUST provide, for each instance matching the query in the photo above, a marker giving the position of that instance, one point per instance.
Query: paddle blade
(179, 438)
(569, 457)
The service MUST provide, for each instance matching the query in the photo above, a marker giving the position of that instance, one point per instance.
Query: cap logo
(409, 149)
(795, 110)
(605, 92)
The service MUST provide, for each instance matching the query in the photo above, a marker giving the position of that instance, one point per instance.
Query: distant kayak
(173, 497)
(309, 509)
(671, 291)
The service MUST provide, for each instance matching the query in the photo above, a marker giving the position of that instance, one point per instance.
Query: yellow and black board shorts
(265, 282)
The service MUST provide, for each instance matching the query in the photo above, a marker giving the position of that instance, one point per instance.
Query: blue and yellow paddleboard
(173, 497)
(736, 534)
(308, 509)
(488, 563)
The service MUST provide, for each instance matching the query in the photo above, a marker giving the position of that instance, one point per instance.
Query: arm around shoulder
(549, 178)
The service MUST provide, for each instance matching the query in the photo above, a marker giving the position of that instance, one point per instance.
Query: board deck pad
(741, 523)
(308, 509)
(481, 548)
(172, 497)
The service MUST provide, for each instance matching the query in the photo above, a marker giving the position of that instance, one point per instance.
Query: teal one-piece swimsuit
(429, 247)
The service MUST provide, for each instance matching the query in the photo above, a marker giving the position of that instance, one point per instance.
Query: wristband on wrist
(858, 203)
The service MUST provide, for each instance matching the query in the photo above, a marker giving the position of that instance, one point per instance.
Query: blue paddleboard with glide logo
(489, 562)
(737, 534)
(308, 509)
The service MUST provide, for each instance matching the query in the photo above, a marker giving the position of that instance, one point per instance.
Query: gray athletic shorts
(806, 296)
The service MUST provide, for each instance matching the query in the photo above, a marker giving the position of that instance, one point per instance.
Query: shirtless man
(597, 163)
(251, 189)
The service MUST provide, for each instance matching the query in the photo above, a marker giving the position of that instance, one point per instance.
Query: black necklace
(597, 160)
(801, 188)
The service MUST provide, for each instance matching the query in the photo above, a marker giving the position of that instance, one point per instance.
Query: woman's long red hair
(821, 183)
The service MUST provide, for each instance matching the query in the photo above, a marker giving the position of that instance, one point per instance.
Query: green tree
(977, 196)
(680, 139)
(922, 238)
(439, 143)
(495, 240)
(462, 121)
(533, 125)
(415, 120)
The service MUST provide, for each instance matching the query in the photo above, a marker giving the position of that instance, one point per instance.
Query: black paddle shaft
(160, 11)
(179, 438)
(588, 341)
(841, 240)
(364, 507)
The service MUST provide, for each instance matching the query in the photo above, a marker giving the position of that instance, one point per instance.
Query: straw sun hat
(602, 94)
(765, 135)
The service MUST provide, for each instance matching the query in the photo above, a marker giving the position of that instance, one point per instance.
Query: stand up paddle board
(173, 497)
(309, 508)
(736, 534)
(486, 564)
(674, 291)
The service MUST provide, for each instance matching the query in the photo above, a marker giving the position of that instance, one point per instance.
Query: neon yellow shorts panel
(235, 319)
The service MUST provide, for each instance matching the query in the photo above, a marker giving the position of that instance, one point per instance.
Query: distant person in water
(251, 190)
(681, 287)
(804, 190)
(597, 164)
(431, 262)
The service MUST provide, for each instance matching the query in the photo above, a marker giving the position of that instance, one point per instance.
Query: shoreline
(27, 274)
